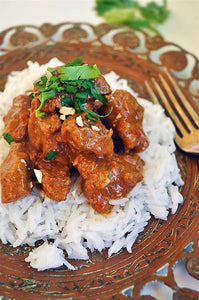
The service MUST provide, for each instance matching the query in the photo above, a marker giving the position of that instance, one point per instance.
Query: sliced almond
(38, 175)
(79, 121)
(118, 116)
(95, 128)
(64, 110)
(62, 117)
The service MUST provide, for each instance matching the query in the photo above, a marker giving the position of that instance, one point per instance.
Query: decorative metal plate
(136, 56)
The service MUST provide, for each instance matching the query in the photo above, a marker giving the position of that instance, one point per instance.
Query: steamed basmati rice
(73, 225)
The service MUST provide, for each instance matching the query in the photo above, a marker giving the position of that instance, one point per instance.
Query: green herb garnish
(8, 138)
(50, 154)
(132, 13)
(66, 101)
(43, 97)
(78, 72)
(75, 79)
(76, 62)
(94, 115)
(110, 175)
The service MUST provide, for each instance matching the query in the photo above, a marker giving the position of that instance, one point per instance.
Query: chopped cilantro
(93, 114)
(73, 78)
(133, 13)
(50, 154)
(110, 175)
(8, 138)
(70, 88)
(78, 72)
(66, 101)
(51, 70)
(76, 62)
(43, 97)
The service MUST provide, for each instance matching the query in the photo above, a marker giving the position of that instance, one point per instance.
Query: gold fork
(185, 118)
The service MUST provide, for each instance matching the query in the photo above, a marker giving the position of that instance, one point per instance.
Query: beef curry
(72, 120)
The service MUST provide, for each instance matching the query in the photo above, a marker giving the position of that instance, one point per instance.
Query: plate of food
(95, 197)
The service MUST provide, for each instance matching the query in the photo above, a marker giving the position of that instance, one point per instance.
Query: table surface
(181, 28)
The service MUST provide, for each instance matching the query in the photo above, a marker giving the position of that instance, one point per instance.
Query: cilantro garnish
(66, 101)
(92, 114)
(74, 79)
(43, 97)
(78, 72)
(76, 62)
(50, 154)
(8, 138)
(133, 14)
(110, 175)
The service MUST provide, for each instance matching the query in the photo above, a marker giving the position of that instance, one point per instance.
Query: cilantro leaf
(46, 95)
(103, 6)
(90, 117)
(82, 95)
(76, 62)
(41, 83)
(76, 102)
(154, 12)
(70, 88)
(50, 154)
(132, 13)
(78, 72)
(43, 97)
(94, 114)
(66, 101)
(95, 92)
(51, 70)
(9, 139)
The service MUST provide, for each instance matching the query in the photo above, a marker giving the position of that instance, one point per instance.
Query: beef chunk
(55, 178)
(43, 132)
(16, 120)
(93, 136)
(103, 85)
(108, 179)
(16, 174)
(126, 120)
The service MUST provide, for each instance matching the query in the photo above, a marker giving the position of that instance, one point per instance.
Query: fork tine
(176, 104)
(187, 105)
(169, 108)
(151, 93)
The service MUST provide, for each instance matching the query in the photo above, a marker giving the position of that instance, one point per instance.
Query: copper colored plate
(162, 243)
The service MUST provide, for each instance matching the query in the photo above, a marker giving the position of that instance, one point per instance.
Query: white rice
(73, 225)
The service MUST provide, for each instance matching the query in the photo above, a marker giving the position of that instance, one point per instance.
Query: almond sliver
(64, 110)
(79, 121)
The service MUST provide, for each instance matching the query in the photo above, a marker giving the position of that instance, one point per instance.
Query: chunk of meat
(16, 120)
(126, 120)
(132, 136)
(44, 132)
(16, 174)
(93, 136)
(103, 85)
(55, 178)
(51, 104)
(108, 179)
